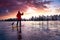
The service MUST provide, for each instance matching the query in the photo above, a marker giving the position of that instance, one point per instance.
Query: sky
(9, 8)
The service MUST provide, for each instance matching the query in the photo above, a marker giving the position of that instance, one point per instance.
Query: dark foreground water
(31, 30)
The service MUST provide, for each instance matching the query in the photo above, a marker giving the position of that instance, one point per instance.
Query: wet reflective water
(31, 30)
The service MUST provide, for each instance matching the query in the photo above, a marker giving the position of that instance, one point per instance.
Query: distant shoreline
(40, 20)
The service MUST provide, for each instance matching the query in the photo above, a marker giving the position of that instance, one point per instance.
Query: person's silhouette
(19, 14)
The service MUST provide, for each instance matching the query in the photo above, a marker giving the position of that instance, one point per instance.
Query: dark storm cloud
(9, 5)
(37, 3)
(12, 5)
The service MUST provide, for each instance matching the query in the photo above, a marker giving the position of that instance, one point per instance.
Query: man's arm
(22, 13)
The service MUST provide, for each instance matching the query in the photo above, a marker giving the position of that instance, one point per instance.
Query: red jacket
(19, 15)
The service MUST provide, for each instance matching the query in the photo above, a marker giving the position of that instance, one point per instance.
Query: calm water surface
(31, 30)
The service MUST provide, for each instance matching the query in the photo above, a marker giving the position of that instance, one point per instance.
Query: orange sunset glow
(31, 11)
(30, 8)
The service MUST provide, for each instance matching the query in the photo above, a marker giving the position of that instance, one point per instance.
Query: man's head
(18, 11)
